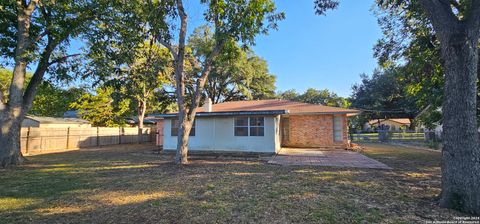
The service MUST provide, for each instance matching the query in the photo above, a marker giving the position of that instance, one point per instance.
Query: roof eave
(227, 113)
(348, 113)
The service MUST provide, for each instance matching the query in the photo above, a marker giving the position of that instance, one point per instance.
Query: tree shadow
(135, 184)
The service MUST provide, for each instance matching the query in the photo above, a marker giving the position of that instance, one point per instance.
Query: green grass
(130, 184)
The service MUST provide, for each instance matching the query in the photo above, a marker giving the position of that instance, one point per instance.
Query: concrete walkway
(318, 157)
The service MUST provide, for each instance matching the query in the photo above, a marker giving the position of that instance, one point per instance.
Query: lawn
(130, 184)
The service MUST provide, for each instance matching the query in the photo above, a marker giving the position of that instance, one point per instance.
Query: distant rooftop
(405, 121)
(58, 120)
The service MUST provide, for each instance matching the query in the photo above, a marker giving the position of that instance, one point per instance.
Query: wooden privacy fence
(41, 140)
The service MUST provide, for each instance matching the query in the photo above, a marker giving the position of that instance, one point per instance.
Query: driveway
(318, 157)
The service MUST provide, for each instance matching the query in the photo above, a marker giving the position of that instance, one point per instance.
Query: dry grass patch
(131, 184)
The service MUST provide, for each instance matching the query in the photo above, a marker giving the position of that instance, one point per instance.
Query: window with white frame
(249, 126)
(338, 128)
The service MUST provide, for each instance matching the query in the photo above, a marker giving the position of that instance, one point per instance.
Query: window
(241, 126)
(256, 126)
(174, 128)
(338, 128)
(249, 126)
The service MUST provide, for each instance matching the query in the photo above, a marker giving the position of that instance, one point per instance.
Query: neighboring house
(261, 126)
(392, 124)
(70, 114)
(147, 121)
(54, 122)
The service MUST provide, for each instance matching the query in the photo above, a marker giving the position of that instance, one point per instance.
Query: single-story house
(261, 126)
(54, 122)
(393, 124)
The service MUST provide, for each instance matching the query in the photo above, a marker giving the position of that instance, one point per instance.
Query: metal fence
(404, 136)
(42, 140)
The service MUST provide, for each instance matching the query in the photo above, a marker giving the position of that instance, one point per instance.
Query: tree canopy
(315, 96)
(102, 109)
(237, 73)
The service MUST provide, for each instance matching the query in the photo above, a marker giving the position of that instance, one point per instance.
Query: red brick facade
(312, 131)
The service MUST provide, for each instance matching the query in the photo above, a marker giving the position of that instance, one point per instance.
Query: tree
(232, 21)
(456, 25)
(34, 33)
(142, 79)
(384, 92)
(50, 100)
(102, 109)
(315, 96)
(123, 53)
(237, 73)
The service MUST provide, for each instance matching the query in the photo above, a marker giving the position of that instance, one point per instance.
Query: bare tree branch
(31, 6)
(204, 75)
(62, 59)
(440, 14)
(37, 77)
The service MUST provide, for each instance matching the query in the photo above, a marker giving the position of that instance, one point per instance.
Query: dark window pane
(174, 127)
(256, 131)
(241, 131)
(256, 121)
(241, 121)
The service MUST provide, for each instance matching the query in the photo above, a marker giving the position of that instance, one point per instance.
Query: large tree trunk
(10, 153)
(461, 153)
(11, 115)
(185, 126)
(183, 129)
(142, 107)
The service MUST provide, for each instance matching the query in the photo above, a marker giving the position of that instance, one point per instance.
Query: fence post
(27, 143)
(119, 135)
(68, 137)
(98, 137)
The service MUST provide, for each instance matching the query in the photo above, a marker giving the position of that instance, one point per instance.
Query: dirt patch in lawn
(132, 184)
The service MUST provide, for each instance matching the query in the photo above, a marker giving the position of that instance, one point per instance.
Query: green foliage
(53, 25)
(144, 79)
(242, 20)
(237, 73)
(123, 53)
(410, 47)
(315, 96)
(5, 79)
(101, 109)
(321, 6)
(51, 101)
(382, 95)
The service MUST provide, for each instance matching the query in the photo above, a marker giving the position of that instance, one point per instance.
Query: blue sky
(310, 51)
(321, 51)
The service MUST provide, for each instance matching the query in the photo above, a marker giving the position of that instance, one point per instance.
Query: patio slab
(319, 157)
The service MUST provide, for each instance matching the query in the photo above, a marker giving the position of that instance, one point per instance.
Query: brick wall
(313, 131)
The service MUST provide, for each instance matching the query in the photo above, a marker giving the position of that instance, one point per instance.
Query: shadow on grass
(132, 184)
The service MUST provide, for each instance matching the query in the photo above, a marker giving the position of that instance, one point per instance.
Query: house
(54, 122)
(71, 114)
(147, 121)
(392, 124)
(261, 126)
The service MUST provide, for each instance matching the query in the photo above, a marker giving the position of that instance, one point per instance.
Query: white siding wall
(217, 134)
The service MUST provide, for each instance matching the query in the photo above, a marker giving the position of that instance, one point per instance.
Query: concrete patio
(322, 157)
